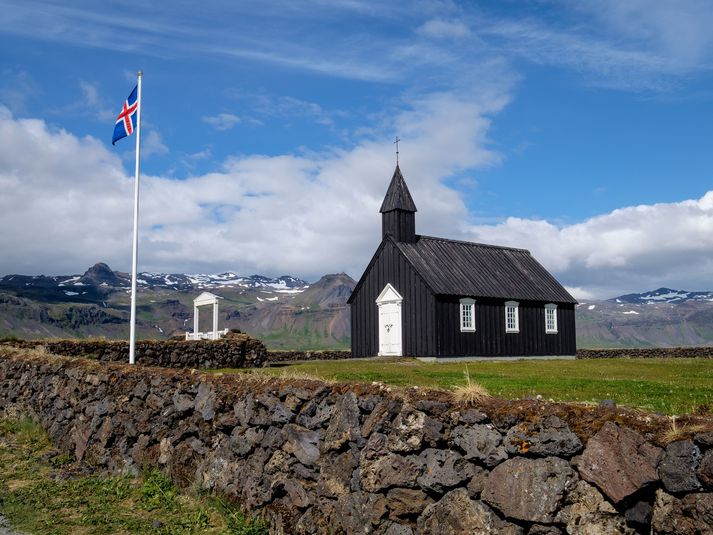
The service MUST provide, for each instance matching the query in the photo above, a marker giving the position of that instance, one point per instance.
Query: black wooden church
(433, 297)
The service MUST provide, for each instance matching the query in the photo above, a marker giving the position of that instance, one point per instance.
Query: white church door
(389, 303)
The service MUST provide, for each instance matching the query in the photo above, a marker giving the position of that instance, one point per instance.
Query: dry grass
(471, 393)
(682, 432)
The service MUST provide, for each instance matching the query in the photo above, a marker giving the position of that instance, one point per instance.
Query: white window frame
(467, 303)
(553, 308)
(516, 306)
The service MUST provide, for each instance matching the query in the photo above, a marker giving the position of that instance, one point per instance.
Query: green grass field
(41, 493)
(670, 386)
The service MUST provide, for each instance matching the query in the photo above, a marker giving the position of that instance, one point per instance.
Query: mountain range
(289, 313)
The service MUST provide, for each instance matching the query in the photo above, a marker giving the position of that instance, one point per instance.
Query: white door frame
(390, 336)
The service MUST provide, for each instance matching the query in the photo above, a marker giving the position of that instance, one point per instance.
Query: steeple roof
(397, 196)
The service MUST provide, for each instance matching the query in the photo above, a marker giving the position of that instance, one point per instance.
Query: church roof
(451, 267)
(397, 196)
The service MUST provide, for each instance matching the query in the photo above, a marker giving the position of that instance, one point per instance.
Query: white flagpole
(135, 248)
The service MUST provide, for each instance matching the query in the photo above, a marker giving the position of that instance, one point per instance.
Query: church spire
(397, 196)
(398, 211)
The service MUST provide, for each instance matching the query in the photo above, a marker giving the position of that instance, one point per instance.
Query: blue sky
(580, 130)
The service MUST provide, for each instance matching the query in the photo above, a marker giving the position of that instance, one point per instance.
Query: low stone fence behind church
(275, 357)
(646, 353)
(236, 351)
(316, 457)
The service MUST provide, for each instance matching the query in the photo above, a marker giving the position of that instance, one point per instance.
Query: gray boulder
(442, 469)
(548, 436)
(705, 469)
(480, 442)
(678, 466)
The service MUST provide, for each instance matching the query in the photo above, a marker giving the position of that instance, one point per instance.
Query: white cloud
(222, 121)
(93, 103)
(16, 88)
(632, 45)
(635, 248)
(440, 29)
(152, 143)
(68, 201)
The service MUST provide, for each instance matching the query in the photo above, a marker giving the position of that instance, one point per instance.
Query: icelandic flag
(126, 121)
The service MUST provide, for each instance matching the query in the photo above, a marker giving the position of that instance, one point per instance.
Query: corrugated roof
(398, 196)
(452, 267)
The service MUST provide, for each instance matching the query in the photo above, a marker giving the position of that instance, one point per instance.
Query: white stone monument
(205, 299)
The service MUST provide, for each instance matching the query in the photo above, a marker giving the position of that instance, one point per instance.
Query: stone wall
(337, 458)
(647, 353)
(296, 356)
(611, 353)
(235, 351)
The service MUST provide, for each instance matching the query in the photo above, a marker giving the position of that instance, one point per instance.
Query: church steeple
(398, 211)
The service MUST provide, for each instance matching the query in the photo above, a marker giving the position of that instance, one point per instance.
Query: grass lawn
(42, 493)
(670, 386)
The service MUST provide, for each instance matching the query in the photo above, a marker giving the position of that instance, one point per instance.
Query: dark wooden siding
(490, 338)
(418, 316)
(401, 225)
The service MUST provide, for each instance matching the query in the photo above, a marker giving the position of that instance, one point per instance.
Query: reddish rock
(529, 489)
(619, 461)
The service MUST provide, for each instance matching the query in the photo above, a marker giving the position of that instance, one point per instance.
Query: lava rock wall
(325, 458)
(647, 353)
(237, 351)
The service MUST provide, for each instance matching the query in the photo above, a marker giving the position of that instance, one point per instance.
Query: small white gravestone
(205, 299)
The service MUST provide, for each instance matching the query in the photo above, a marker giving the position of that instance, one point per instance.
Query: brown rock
(359, 512)
(477, 482)
(294, 494)
(391, 470)
(80, 437)
(619, 461)
(591, 514)
(529, 489)
(457, 514)
(539, 529)
(407, 430)
(344, 423)
(691, 515)
(405, 502)
(336, 473)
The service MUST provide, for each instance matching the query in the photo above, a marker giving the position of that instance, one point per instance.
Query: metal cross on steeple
(397, 149)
